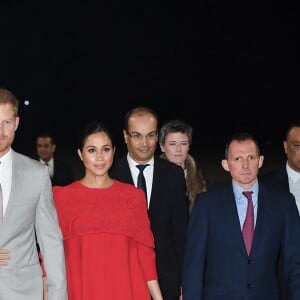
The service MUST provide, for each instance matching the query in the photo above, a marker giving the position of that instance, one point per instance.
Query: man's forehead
(142, 116)
(295, 133)
(43, 141)
(143, 123)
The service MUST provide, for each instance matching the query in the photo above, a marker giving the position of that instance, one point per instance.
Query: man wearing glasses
(165, 193)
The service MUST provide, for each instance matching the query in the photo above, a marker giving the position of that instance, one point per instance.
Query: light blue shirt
(242, 202)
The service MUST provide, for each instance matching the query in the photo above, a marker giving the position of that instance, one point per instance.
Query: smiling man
(166, 195)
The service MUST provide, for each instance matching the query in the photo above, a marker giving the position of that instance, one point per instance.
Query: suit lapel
(158, 172)
(123, 171)
(16, 182)
(264, 214)
(231, 220)
(283, 178)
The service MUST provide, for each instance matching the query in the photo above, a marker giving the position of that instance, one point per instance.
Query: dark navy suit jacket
(168, 213)
(277, 178)
(217, 266)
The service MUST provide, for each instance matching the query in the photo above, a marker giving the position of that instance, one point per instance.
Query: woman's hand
(4, 257)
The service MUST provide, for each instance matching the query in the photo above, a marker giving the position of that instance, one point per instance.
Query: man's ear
(261, 160)
(224, 164)
(17, 123)
(125, 136)
(285, 146)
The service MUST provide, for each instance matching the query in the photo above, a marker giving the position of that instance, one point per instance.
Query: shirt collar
(133, 163)
(50, 162)
(6, 167)
(7, 157)
(238, 190)
(295, 176)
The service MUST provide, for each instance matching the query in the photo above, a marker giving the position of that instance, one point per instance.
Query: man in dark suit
(220, 262)
(60, 174)
(166, 194)
(287, 177)
(59, 171)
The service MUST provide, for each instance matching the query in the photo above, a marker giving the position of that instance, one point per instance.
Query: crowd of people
(180, 238)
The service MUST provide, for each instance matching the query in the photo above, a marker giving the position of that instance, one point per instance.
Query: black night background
(221, 66)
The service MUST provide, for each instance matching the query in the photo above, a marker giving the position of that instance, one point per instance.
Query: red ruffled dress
(109, 246)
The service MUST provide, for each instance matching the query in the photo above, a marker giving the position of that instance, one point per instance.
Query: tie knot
(248, 194)
(142, 167)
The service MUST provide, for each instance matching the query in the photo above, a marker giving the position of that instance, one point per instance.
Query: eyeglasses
(249, 158)
(136, 136)
(296, 147)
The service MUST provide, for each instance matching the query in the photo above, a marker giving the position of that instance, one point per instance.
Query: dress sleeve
(141, 222)
(147, 259)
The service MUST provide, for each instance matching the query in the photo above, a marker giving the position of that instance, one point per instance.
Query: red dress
(109, 246)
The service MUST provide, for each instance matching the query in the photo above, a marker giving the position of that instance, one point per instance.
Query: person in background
(108, 242)
(237, 234)
(166, 195)
(60, 174)
(287, 177)
(27, 211)
(59, 171)
(175, 139)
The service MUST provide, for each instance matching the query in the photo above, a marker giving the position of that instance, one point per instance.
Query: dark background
(222, 67)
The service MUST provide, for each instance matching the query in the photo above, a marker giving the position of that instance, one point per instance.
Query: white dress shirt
(5, 178)
(294, 184)
(148, 174)
(50, 165)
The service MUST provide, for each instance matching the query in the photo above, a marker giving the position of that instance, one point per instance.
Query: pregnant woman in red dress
(109, 246)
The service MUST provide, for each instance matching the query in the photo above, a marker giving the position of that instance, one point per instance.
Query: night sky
(222, 67)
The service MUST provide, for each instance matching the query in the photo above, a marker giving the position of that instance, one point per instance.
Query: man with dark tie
(59, 171)
(239, 234)
(165, 187)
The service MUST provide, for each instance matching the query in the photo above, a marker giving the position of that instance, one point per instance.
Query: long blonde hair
(195, 182)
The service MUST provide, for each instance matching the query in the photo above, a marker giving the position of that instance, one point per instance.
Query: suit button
(249, 286)
(249, 262)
